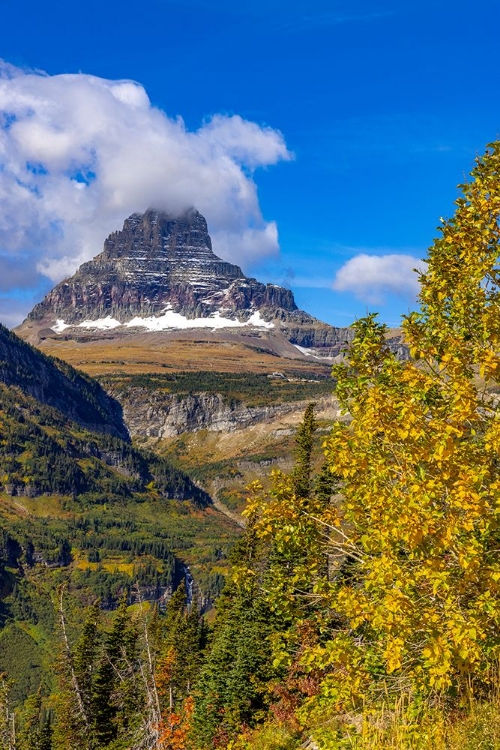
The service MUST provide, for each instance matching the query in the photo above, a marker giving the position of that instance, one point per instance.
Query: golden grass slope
(156, 353)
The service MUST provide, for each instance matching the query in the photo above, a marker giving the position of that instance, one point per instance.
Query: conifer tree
(182, 646)
(304, 442)
(84, 659)
(46, 733)
(73, 729)
(115, 695)
(290, 542)
(232, 689)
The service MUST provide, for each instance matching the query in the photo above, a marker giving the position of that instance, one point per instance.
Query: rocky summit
(159, 273)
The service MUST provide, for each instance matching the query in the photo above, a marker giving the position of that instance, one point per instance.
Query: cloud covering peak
(79, 153)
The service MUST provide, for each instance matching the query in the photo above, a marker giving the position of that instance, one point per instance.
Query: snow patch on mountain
(169, 320)
(104, 324)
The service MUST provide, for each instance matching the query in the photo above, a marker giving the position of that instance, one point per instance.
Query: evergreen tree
(115, 695)
(65, 552)
(304, 442)
(73, 729)
(232, 689)
(84, 657)
(46, 733)
(181, 651)
(288, 555)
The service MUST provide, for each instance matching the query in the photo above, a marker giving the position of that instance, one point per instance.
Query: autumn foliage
(400, 570)
(174, 728)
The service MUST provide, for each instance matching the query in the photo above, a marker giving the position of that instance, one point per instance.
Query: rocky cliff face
(156, 262)
(157, 414)
(160, 273)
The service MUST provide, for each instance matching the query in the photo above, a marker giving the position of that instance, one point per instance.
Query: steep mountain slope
(43, 452)
(54, 383)
(160, 274)
(82, 500)
(84, 511)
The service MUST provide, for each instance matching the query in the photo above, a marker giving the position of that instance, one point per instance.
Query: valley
(180, 489)
(82, 508)
(213, 370)
(126, 453)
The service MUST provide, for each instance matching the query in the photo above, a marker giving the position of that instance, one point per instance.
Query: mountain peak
(159, 273)
(166, 234)
(160, 263)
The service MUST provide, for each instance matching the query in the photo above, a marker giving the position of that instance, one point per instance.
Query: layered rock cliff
(159, 261)
(159, 273)
(156, 414)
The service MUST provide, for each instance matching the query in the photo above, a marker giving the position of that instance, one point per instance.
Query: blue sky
(382, 107)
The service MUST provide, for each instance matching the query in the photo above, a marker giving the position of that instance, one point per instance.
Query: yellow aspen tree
(412, 583)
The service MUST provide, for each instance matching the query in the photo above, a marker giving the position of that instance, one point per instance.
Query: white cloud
(372, 277)
(78, 154)
(253, 244)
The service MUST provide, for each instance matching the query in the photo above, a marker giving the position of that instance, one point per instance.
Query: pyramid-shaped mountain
(159, 273)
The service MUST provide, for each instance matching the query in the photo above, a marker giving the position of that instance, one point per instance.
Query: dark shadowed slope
(57, 384)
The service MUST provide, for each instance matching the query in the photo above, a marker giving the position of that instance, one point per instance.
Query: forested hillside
(85, 513)
(54, 383)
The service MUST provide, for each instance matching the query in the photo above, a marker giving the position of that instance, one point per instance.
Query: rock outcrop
(150, 413)
(159, 261)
